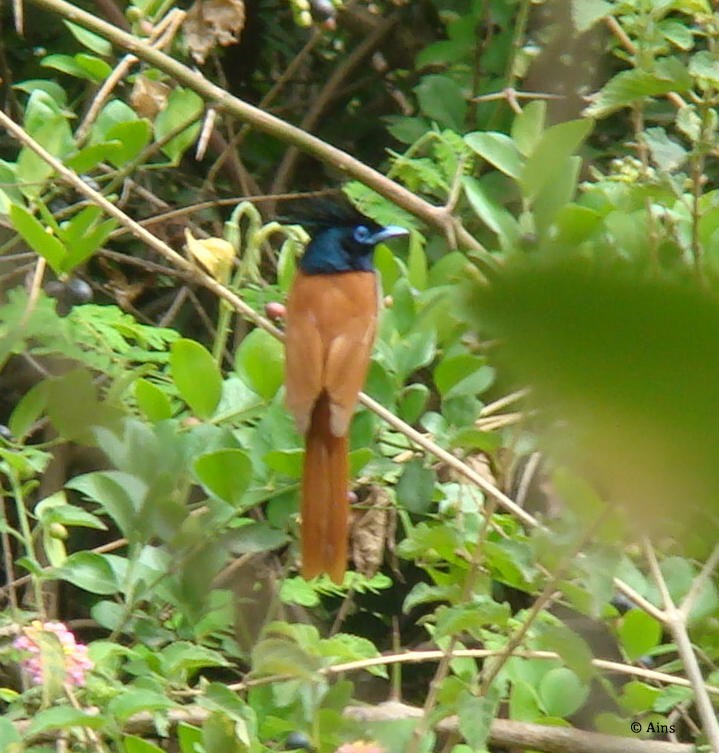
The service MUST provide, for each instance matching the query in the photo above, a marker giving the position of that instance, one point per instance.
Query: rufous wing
(330, 327)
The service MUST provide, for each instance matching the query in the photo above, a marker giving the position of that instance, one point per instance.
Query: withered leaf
(212, 22)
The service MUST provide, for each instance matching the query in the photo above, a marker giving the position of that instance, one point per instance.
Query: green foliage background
(538, 442)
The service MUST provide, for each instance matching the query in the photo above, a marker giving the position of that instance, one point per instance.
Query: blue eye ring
(361, 234)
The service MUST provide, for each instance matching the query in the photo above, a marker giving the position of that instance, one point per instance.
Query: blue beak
(390, 231)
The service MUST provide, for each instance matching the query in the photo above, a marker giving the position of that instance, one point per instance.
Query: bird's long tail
(324, 497)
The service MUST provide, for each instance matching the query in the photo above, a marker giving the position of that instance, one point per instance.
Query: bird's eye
(361, 233)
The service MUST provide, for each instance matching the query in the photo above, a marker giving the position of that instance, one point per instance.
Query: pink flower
(33, 640)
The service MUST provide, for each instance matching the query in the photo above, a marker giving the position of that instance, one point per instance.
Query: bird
(330, 325)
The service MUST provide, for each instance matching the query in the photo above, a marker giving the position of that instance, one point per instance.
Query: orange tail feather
(325, 508)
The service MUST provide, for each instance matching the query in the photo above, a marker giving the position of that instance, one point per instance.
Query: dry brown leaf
(370, 530)
(212, 22)
(148, 97)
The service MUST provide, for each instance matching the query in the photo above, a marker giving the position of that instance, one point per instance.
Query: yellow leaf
(215, 255)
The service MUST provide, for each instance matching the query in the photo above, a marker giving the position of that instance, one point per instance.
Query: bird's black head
(342, 239)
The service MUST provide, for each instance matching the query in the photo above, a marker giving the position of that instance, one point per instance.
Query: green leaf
(441, 99)
(638, 697)
(286, 462)
(63, 717)
(64, 64)
(83, 235)
(112, 114)
(219, 735)
(704, 66)
(528, 126)
(299, 591)
(677, 33)
(10, 739)
(93, 68)
(413, 402)
(561, 692)
(494, 215)
(471, 618)
(415, 352)
(189, 737)
(571, 647)
(555, 145)
(627, 87)
(152, 401)
(120, 494)
(93, 42)
(134, 744)
(416, 487)
(460, 375)
(255, 537)
(225, 474)
(556, 194)
(74, 409)
(260, 362)
(90, 156)
(667, 154)
(58, 511)
(35, 235)
(416, 263)
(181, 659)
(132, 135)
(89, 571)
(585, 13)
(639, 633)
(277, 656)
(133, 701)
(28, 410)
(475, 718)
(49, 87)
(183, 107)
(498, 149)
(196, 376)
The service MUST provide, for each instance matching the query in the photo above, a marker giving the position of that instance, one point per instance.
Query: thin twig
(699, 582)
(675, 620)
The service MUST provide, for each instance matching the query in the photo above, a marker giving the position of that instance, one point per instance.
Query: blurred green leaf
(63, 717)
(225, 474)
(498, 219)
(415, 487)
(554, 147)
(28, 410)
(667, 75)
(90, 572)
(36, 236)
(475, 718)
(606, 352)
(498, 149)
(133, 701)
(570, 646)
(528, 126)
(412, 402)
(442, 99)
(639, 633)
(562, 692)
(586, 13)
(463, 374)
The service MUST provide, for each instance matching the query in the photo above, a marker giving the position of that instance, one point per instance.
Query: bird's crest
(317, 214)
